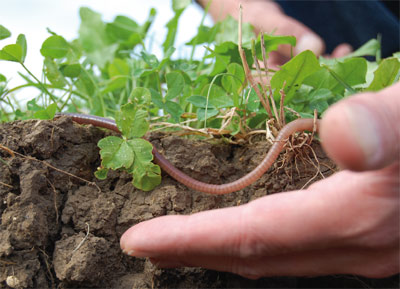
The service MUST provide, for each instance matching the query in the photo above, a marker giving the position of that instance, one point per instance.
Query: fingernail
(366, 131)
(134, 253)
(310, 42)
(128, 252)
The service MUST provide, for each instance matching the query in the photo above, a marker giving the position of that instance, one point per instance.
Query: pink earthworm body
(298, 125)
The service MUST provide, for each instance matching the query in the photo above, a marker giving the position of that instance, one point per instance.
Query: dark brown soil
(48, 204)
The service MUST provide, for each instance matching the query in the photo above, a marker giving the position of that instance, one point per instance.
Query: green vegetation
(109, 71)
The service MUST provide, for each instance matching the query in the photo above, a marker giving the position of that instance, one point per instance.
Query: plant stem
(247, 70)
(52, 97)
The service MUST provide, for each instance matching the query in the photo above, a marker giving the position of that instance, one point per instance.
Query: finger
(341, 50)
(307, 263)
(330, 214)
(363, 132)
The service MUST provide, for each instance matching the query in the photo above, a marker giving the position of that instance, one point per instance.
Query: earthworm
(300, 124)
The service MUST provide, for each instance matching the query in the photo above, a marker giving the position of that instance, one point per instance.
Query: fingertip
(342, 50)
(359, 133)
(310, 41)
(338, 141)
(152, 237)
(127, 242)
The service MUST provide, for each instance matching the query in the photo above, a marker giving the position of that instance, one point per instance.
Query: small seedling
(130, 152)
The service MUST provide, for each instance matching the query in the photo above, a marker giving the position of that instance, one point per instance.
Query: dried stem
(247, 71)
(314, 126)
(264, 56)
(9, 151)
(6, 185)
(282, 113)
(83, 240)
(271, 96)
(292, 111)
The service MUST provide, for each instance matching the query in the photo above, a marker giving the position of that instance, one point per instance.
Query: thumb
(363, 132)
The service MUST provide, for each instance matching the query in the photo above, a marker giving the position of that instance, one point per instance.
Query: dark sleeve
(353, 22)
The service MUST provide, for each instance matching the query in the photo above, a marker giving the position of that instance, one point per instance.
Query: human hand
(267, 16)
(347, 223)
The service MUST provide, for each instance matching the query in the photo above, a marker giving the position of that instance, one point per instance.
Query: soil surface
(60, 227)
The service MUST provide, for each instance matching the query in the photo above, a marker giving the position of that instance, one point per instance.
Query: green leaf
(53, 74)
(227, 53)
(203, 114)
(235, 78)
(146, 175)
(102, 56)
(131, 121)
(33, 106)
(150, 59)
(122, 28)
(293, 73)
(71, 70)
(4, 32)
(272, 42)
(133, 40)
(174, 109)
(221, 101)
(94, 39)
(118, 72)
(253, 103)
(198, 101)
(150, 19)
(172, 27)
(86, 83)
(117, 68)
(156, 98)
(101, 173)
(217, 96)
(348, 72)
(167, 58)
(92, 31)
(21, 40)
(2, 78)
(258, 120)
(54, 47)
(47, 113)
(141, 95)
(204, 35)
(368, 49)
(352, 71)
(175, 83)
(178, 5)
(75, 52)
(12, 52)
(318, 99)
(115, 153)
(228, 32)
(385, 74)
